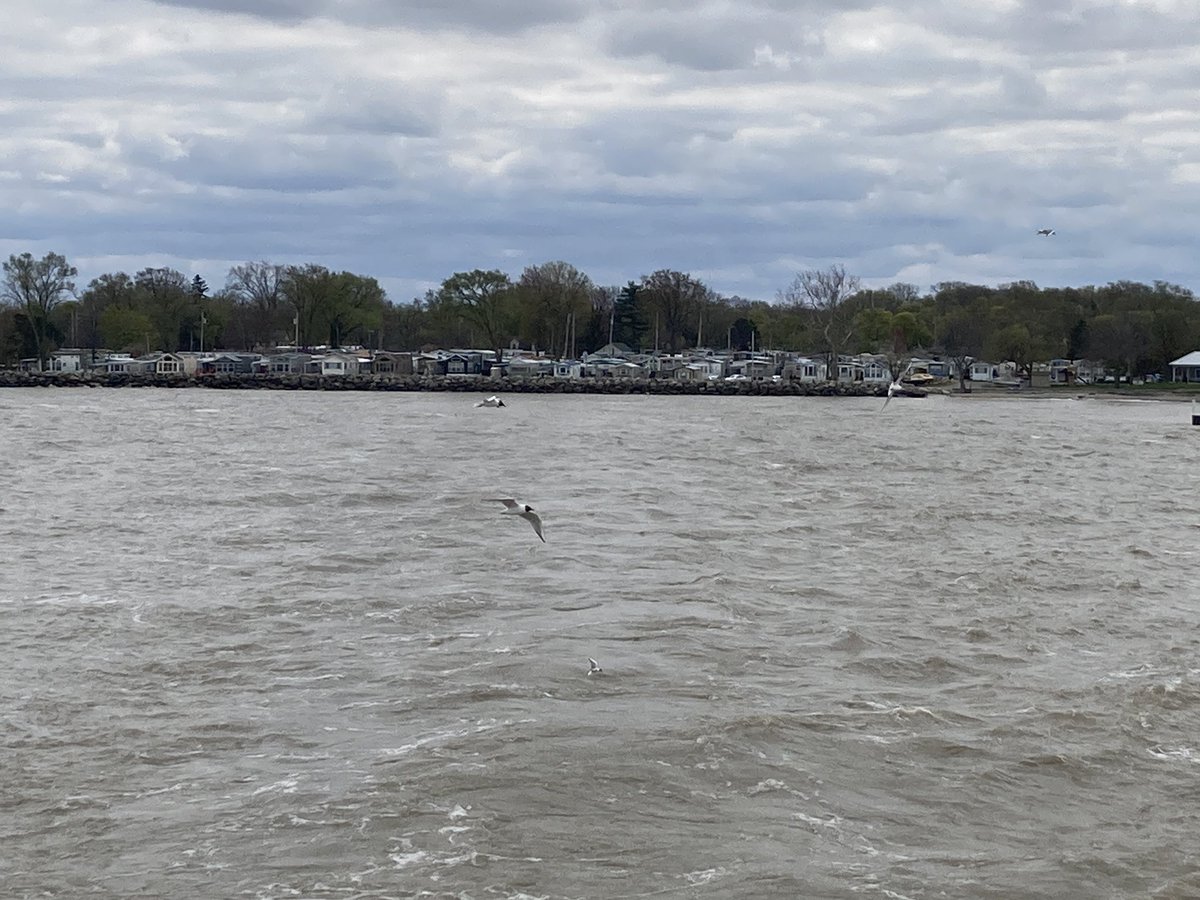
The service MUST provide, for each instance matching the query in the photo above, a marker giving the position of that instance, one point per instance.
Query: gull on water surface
(492, 401)
(524, 510)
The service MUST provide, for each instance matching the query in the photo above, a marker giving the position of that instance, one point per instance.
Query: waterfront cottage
(163, 364)
(389, 363)
(115, 363)
(708, 369)
(984, 371)
(526, 367)
(615, 350)
(335, 364)
(227, 364)
(850, 371)
(67, 360)
(666, 366)
(1186, 368)
(753, 367)
(289, 363)
(875, 370)
(805, 370)
(598, 367)
(464, 362)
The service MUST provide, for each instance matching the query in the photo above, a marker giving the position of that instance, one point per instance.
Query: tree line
(1134, 328)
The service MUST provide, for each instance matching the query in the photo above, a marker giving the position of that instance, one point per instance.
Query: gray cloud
(482, 15)
(922, 140)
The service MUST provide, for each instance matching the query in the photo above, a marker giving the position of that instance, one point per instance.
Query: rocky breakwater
(463, 384)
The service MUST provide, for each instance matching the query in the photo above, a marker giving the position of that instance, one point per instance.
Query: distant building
(1186, 368)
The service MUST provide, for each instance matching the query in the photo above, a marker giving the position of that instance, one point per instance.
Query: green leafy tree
(124, 328)
(553, 297)
(1123, 338)
(601, 317)
(741, 334)
(355, 307)
(165, 295)
(36, 287)
(112, 289)
(309, 290)
(483, 299)
(10, 337)
(1016, 343)
(628, 325)
(675, 299)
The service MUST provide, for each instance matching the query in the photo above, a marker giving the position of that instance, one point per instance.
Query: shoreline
(609, 386)
(471, 384)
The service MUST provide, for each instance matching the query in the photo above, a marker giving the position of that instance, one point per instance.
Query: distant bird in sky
(524, 510)
(1046, 231)
(595, 667)
(492, 401)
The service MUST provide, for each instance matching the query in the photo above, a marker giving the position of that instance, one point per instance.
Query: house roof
(1191, 359)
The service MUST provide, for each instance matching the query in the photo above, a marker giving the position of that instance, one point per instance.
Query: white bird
(492, 401)
(896, 387)
(524, 510)
(893, 389)
(1046, 231)
(595, 667)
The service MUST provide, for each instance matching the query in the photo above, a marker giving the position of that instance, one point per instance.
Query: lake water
(275, 645)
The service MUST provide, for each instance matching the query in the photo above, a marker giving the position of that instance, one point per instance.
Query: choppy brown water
(274, 645)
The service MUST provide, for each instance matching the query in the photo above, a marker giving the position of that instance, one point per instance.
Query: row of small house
(612, 361)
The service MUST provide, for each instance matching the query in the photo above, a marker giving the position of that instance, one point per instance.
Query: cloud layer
(914, 140)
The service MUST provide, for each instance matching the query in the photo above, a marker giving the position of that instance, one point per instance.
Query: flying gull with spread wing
(524, 510)
(895, 387)
(491, 402)
(1046, 231)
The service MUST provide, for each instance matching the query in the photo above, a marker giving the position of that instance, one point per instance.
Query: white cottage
(67, 360)
(1186, 368)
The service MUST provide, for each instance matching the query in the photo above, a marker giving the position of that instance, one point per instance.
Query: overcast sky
(740, 141)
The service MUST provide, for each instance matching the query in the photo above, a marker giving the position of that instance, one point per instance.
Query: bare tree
(36, 287)
(259, 290)
(961, 334)
(825, 292)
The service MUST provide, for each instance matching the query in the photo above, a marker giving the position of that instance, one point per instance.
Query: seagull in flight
(491, 402)
(893, 389)
(1046, 231)
(524, 510)
(595, 667)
